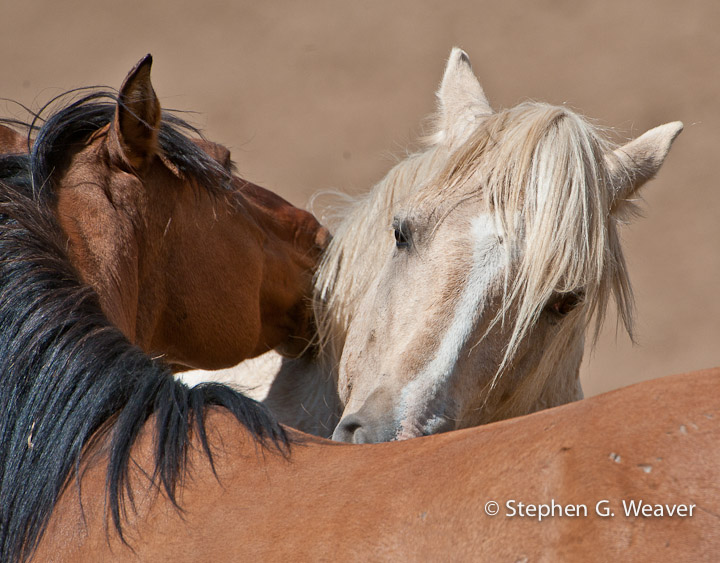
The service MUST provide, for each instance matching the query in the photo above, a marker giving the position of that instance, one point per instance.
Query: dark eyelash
(564, 303)
(403, 236)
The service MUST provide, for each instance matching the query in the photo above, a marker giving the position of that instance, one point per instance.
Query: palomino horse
(458, 291)
(92, 430)
(188, 260)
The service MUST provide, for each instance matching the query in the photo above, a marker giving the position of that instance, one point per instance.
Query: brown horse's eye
(563, 303)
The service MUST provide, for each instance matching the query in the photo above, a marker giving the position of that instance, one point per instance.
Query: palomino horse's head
(189, 261)
(493, 251)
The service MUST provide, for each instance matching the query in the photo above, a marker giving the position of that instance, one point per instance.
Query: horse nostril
(352, 427)
(349, 430)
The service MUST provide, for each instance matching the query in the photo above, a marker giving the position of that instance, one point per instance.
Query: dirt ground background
(325, 94)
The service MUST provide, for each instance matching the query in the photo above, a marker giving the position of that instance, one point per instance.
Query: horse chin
(293, 347)
(299, 331)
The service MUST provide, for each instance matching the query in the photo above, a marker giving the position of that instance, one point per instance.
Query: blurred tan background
(312, 95)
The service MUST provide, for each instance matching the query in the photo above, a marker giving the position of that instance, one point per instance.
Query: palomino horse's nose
(373, 422)
(361, 428)
(351, 429)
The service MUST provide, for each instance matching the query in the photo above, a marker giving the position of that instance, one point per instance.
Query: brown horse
(116, 219)
(189, 261)
(631, 475)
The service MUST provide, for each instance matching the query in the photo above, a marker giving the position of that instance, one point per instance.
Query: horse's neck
(301, 392)
(303, 395)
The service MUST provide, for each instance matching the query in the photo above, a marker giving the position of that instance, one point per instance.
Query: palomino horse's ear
(461, 100)
(639, 160)
(137, 117)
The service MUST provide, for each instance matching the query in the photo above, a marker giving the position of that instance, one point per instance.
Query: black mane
(75, 122)
(68, 377)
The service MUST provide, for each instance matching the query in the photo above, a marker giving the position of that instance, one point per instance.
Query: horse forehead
(486, 233)
(485, 263)
(294, 222)
(478, 233)
(474, 263)
(481, 261)
(11, 141)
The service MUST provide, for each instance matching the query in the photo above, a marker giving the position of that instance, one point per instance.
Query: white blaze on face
(489, 261)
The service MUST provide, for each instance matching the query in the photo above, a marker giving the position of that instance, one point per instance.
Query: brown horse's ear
(137, 117)
(12, 142)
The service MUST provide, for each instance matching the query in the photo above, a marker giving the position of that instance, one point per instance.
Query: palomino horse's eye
(402, 234)
(564, 303)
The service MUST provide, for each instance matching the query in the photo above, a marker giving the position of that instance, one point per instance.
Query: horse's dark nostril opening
(352, 426)
(348, 430)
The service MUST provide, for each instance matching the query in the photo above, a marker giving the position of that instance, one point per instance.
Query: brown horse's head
(190, 261)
